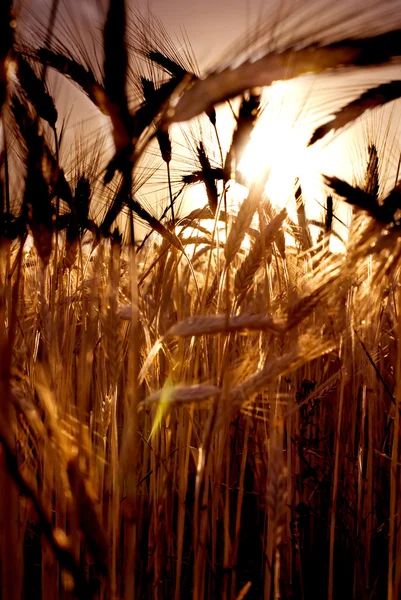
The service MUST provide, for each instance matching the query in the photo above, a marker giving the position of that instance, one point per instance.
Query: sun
(278, 150)
(279, 146)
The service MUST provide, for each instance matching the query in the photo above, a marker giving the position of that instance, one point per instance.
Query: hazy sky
(211, 25)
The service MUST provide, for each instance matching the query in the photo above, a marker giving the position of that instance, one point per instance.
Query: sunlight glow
(279, 147)
(278, 150)
(278, 144)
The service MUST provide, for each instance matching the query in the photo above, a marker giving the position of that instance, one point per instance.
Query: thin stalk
(335, 491)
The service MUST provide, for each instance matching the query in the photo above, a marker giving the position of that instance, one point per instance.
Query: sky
(212, 26)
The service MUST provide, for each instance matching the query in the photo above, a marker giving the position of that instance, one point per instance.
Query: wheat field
(196, 402)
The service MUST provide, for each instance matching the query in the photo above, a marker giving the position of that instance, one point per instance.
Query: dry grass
(189, 417)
